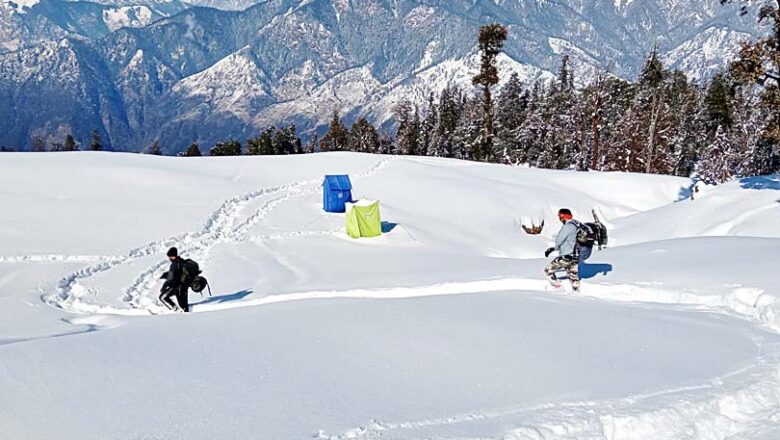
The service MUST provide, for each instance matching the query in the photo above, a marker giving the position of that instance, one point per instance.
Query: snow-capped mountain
(28, 22)
(205, 74)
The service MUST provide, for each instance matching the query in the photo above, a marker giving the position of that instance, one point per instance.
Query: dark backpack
(198, 284)
(586, 233)
(601, 233)
(189, 271)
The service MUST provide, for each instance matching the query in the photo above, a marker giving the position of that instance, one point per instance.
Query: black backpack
(189, 271)
(601, 233)
(200, 283)
(586, 233)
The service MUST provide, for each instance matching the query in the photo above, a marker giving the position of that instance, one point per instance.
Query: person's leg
(573, 272)
(554, 266)
(182, 297)
(165, 297)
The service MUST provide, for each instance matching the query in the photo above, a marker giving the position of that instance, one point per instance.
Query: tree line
(662, 122)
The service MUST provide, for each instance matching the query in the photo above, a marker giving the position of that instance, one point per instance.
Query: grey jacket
(566, 240)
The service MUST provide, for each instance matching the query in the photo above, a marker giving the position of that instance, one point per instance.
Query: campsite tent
(363, 219)
(336, 192)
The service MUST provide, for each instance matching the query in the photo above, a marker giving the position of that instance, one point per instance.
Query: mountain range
(140, 71)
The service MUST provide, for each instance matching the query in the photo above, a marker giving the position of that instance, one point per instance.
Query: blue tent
(336, 192)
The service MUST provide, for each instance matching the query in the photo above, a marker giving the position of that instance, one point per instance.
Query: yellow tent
(363, 219)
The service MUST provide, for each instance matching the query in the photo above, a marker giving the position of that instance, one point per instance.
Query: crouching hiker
(176, 283)
(568, 258)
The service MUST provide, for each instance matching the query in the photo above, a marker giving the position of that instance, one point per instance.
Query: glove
(549, 251)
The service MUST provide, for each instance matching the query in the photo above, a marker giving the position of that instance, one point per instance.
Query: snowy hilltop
(144, 71)
(442, 327)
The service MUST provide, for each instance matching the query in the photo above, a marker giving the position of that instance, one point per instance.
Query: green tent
(363, 219)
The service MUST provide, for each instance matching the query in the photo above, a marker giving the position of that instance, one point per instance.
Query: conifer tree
(407, 133)
(447, 117)
(718, 162)
(95, 145)
(532, 137)
(718, 103)
(38, 143)
(263, 144)
(491, 41)
(385, 145)
(70, 143)
(230, 147)
(337, 137)
(313, 145)
(193, 151)
(155, 149)
(468, 139)
(427, 128)
(363, 137)
(286, 141)
(511, 108)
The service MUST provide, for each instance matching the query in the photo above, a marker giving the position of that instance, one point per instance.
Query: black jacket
(175, 272)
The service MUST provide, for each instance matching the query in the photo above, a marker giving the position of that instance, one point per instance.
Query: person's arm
(560, 238)
(174, 274)
(565, 234)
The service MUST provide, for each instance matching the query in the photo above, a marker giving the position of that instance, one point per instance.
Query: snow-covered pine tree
(759, 64)
(363, 137)
(386, 143)
(95, 145)
(533, 133)
(718, 162)
(336, 139)
(192, 151)
(70, 143)
(719, 102)
(286, 141)
(468, 137)
(155, 149)
(619, 95)
(447, 117)
(313, 144)
(511, 108)
(647, 122)
(682, 136)
(491, 41)
(408, 127)
(230, 147)
(427, 127)
(758, 155)
(38, 143)
(562, 142)
(262, 145)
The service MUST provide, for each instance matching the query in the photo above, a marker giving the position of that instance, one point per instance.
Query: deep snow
(440, 328)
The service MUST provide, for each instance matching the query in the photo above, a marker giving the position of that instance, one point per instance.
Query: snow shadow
(588, 270)
(388, 227)
(224, 298)
(685, 193)
(761, 182)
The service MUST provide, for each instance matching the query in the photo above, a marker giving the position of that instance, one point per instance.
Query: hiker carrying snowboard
(175, 283)
(568, 258)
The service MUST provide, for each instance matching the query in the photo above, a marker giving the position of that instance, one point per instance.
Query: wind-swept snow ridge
(723, 407)
(48, 258)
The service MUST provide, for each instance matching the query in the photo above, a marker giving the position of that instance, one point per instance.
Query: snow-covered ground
(440, 328)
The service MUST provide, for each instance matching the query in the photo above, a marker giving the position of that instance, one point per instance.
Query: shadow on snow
(388, 226)
(588, 270)
(224, 298)
(761, 182)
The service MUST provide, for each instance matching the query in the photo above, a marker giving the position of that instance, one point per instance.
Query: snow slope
(440, 328)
